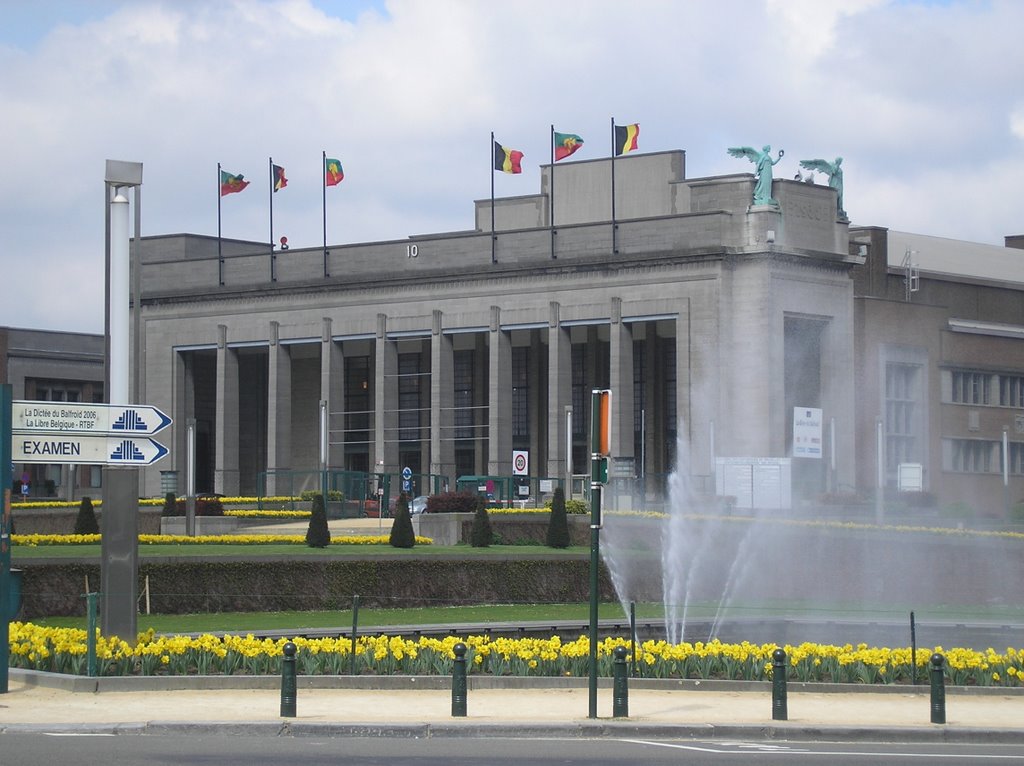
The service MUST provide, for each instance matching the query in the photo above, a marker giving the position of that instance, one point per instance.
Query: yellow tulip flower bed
(37, 540)
(63, 650)
(258, 514)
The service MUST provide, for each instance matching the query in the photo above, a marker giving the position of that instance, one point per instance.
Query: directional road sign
(75, 417)
(85, 450)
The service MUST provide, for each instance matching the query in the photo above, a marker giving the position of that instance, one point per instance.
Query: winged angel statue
(764, 162)
(834, 171)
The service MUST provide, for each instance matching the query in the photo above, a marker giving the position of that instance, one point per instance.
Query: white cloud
(922, 100)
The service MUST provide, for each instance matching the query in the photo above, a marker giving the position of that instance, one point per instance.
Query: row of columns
(384, 454)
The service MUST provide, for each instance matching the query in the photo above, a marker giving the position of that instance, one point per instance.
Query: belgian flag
(507, 160)
(626, 138)
(277, 172)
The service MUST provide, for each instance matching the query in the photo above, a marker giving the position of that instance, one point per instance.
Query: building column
(442, 403)
(620, 379)
(559, 395)
(332, 391)
(225, 468)
(183, 407)
(279, 411)
(499, 399)
(385, 401)
(535, 406)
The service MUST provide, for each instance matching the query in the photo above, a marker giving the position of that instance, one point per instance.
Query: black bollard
(780, 711)
(459, 681)
(620, 684)
(288, 683)
(938, 679)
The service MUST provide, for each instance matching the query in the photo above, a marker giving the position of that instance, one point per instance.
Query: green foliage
(481, 536)
(205, 506)
(318, 535)
(402, 533)
(577, 507)
(453, 502)
(558, 523)
(170, 505)
(85, 522)
(332, 494)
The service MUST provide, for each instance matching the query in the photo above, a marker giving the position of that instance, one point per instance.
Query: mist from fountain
(805, 574)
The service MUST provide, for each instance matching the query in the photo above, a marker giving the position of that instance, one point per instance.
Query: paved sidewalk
(895, 716)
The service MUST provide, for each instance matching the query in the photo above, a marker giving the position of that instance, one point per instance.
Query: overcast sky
(923, 99)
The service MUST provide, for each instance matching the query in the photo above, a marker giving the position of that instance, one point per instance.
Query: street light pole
(119, 546)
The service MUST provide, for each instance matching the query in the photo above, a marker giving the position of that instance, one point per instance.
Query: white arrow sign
(75, 417)
(85, 450)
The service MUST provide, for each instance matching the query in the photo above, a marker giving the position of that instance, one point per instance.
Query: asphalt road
(45, 749)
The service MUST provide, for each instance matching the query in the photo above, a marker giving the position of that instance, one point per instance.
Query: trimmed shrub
(85, 522)
(205, 506)
(453, 502)
(481, 535)
(318, 535)
(332, 494)
(402, 533)
(558, 522)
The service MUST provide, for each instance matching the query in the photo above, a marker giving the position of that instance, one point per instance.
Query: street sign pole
(600, 450)
(5, 536)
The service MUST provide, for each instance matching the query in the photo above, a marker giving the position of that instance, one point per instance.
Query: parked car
(418, 505)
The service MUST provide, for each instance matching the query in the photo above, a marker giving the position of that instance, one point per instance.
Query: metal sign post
(600, 452)
(5, 537)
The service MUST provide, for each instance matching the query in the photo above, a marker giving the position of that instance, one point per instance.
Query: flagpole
(273, 255)
(551, 196)
(323, 173)
(494, 237)
(615, 226)
(220, 253)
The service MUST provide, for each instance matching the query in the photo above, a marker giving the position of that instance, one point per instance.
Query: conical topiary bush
(318, 535)
(558, 523)
(402, 533)
(85, 522)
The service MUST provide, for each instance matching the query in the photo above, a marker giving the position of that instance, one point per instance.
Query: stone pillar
(442, 403)
(499, 399)
(385, 401)
(279, 412)
(332, 391)
(559, 394)
(225, 469)
(182, 408)
(620, 377)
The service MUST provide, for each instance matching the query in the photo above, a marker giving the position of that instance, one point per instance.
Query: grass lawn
(241, 622)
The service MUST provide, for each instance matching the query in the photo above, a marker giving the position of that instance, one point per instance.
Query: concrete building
(44, 365)
(710, 319)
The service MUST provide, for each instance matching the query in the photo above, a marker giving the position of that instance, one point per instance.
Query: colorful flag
(277, 172)
(566, 144)
(625, 138)
(229, 184)
(507, 160)
(334, 174)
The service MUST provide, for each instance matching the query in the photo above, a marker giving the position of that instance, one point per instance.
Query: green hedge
(51, 589)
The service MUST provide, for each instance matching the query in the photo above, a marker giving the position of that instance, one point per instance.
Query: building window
(902, 407)
(520, 392)
(357, 400)
(58, 391)
(971, 387)
(409, 397)
(1011, 391)
(1016, 464)
(463, 364)
(579, 405)
(970, 455)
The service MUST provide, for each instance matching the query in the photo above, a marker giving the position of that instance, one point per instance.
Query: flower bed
(63, 650)
(37, 540)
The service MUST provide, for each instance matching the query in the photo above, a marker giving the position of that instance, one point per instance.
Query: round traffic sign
(407, 473)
